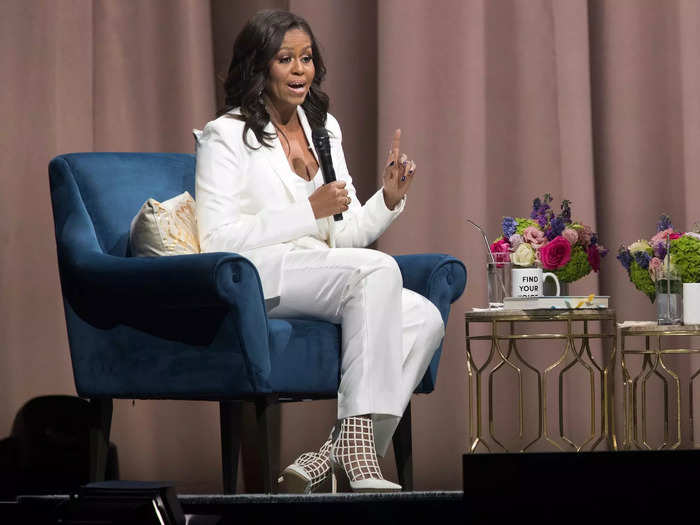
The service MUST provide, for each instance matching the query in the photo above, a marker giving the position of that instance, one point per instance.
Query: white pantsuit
(249, 201)
(389, 334)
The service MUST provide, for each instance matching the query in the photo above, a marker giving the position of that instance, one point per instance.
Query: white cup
(528, 282)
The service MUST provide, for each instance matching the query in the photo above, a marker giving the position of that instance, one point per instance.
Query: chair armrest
(436, 276)
(179, 281)
(440, 278)
(105, 290)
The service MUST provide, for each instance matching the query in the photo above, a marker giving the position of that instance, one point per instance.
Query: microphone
(319, 136)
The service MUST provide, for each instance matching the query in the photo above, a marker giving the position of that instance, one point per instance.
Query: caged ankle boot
(353, 455)
(308, 473)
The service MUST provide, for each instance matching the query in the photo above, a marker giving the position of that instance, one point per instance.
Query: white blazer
(249, 200)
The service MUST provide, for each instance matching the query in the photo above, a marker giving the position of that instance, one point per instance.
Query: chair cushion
(165, 228)
(178, 354)
(304, 357)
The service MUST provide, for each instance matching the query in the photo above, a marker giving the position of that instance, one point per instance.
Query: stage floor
(358, 509)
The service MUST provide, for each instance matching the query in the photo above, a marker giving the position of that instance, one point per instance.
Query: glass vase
(498, 279)
(669, 297)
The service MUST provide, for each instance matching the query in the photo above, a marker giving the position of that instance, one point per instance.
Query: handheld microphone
(319, 136)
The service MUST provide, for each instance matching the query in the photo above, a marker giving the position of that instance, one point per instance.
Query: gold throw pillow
(165, 228)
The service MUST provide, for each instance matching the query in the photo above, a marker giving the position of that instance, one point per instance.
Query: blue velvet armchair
(192, 326)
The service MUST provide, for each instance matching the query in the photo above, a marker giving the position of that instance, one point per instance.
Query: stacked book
(556, 302)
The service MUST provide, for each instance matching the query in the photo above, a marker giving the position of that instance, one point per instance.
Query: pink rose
(655, 264)
(501, 252)
(500, 246)
(586, 235)
(570, 235)
(534, 236)
(661, 236)
(594, 257)
(555, 254)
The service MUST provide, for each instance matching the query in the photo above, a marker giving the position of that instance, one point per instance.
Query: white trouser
(389, 334)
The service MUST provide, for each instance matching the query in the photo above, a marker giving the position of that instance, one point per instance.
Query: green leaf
(523, 223)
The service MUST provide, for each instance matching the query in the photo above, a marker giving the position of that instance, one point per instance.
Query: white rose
(524, 255)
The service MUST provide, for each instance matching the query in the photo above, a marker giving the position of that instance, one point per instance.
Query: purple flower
(540, 208)
(556, 226)
(660, 250)
(625, 258)
(542, 221)
(509, 226)
(594, 238)
(642, 259)
(565, 211)
(535, 208)
(664, 223)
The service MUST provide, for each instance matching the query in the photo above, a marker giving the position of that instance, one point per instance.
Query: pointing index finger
(395, 142)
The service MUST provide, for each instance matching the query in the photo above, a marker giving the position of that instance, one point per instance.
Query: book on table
(556, 302)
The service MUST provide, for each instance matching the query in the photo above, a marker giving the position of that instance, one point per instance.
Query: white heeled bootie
(353, 454)
(308, 472)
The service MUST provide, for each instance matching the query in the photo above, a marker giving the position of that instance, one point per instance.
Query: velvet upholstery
(186, 326)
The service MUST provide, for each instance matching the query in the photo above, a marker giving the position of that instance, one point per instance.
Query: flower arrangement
(645, 259)
(561, 245)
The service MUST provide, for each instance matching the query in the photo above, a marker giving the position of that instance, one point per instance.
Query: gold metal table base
(504, 355)
(654, 365)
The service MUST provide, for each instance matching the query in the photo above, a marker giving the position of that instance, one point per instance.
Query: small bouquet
(645, 260)
(561, 245)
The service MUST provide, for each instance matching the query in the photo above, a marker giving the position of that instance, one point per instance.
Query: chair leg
(403, 450)
(250, 451)
(268, 423)
(230, 421)
(100, 426)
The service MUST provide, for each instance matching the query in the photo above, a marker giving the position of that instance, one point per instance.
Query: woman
(260, 193)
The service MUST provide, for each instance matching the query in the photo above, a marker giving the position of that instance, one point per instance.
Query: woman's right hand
(330, 199)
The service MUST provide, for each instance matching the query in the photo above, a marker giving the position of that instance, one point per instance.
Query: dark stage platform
(586, 487)
(344, 508)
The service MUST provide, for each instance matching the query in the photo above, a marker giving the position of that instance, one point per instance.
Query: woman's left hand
(398, 173)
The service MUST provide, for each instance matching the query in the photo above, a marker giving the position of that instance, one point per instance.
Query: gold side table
(655, 364)
(507, 329)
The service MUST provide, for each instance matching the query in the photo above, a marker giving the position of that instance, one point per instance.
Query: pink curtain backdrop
(499, 101)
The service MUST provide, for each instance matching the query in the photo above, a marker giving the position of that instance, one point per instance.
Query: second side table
(655, 363)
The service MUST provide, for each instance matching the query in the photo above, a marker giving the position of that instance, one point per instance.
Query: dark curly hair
(254, 48)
